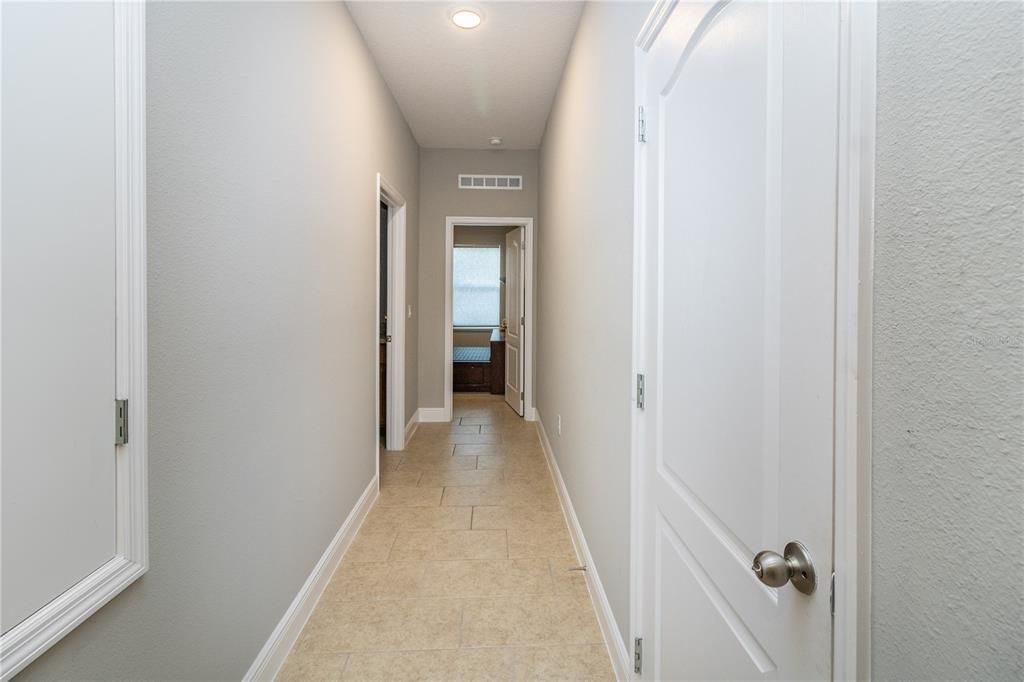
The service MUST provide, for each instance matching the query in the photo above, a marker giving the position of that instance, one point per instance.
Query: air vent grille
(491, 182)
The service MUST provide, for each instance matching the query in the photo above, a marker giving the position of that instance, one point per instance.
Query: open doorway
(489, 310)
(383, 298)
(389, 335)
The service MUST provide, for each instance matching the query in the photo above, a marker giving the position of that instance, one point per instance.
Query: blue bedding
(472, 354)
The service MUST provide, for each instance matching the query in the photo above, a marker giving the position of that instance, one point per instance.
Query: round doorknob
(770, 568)
(794, 565)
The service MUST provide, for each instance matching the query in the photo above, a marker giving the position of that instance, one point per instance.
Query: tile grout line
(391, 547)
(344, 668)
(462, 620)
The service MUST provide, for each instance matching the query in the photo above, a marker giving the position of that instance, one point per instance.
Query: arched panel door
(738, 222)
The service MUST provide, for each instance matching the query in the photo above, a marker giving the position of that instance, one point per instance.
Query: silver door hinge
(121, 421)
(638, 655)
(640, 391)
(522, 396)
(832, 594)
(641, 125)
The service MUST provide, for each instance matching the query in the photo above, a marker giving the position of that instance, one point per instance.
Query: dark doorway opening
(382, 322)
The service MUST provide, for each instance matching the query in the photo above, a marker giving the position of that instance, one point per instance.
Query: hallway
(753, 271)
(463, 568)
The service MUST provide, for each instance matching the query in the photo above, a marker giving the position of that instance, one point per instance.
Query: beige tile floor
(461, 570)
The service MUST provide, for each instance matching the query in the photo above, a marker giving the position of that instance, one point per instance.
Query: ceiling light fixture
(495, 141)
(466, 18)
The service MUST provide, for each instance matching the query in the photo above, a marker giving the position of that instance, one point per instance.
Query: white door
(736, 325)
(58, 464)
(515, 298)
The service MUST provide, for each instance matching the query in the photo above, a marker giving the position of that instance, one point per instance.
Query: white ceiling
(458, 87)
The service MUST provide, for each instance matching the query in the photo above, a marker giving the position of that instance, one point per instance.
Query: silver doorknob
(793, 566)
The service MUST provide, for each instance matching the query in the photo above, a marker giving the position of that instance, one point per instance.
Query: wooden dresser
(497, 362)
(480, 369)
(383, 362)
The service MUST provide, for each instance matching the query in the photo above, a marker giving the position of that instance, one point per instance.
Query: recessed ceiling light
(466, 18)
(495, 141)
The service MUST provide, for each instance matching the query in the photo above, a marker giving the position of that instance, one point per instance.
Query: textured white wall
(948, 460)
(585, 258)
(267, 124)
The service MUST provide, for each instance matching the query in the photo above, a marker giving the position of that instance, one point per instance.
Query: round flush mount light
(466, 18)
(495, 141)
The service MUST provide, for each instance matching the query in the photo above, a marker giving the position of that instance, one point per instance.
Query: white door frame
(396, 227)
(450, 222)
(26, 641)
(854, 272)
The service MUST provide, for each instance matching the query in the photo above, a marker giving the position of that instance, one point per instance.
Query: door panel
(708, 623)
(738, 215)
(514, 302)
(58, 252)
(723, 306)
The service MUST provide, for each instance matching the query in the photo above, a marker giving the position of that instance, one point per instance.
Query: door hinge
(640, 391)
(832, 594)
(641, 125)
(121, 421)
(522, 396)
(638, 655)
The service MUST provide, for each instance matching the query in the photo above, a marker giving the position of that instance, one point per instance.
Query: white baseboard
(410, 428)
(617, 650)
(268, 662)
(433, 414)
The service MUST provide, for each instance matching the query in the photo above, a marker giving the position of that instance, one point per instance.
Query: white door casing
(736, 245)
(529, 412)
(395, 425)
(514, 300)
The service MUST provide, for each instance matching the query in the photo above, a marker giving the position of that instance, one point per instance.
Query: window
(476, 286)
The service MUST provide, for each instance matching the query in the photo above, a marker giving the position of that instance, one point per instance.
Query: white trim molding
(616, 647)
(23, 643)
(851, 658)
(274, 652)
(395, 431)
(654, 23)
(450, 223)
(411, 426)
(433, 414)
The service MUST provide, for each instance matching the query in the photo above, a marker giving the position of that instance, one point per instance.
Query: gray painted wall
(441, 197)
(948, 460)
(267, 124)
(585, 283)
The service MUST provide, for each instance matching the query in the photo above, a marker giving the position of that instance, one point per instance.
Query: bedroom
(481, 304)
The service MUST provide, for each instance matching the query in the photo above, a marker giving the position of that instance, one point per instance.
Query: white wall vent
(490, 181)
